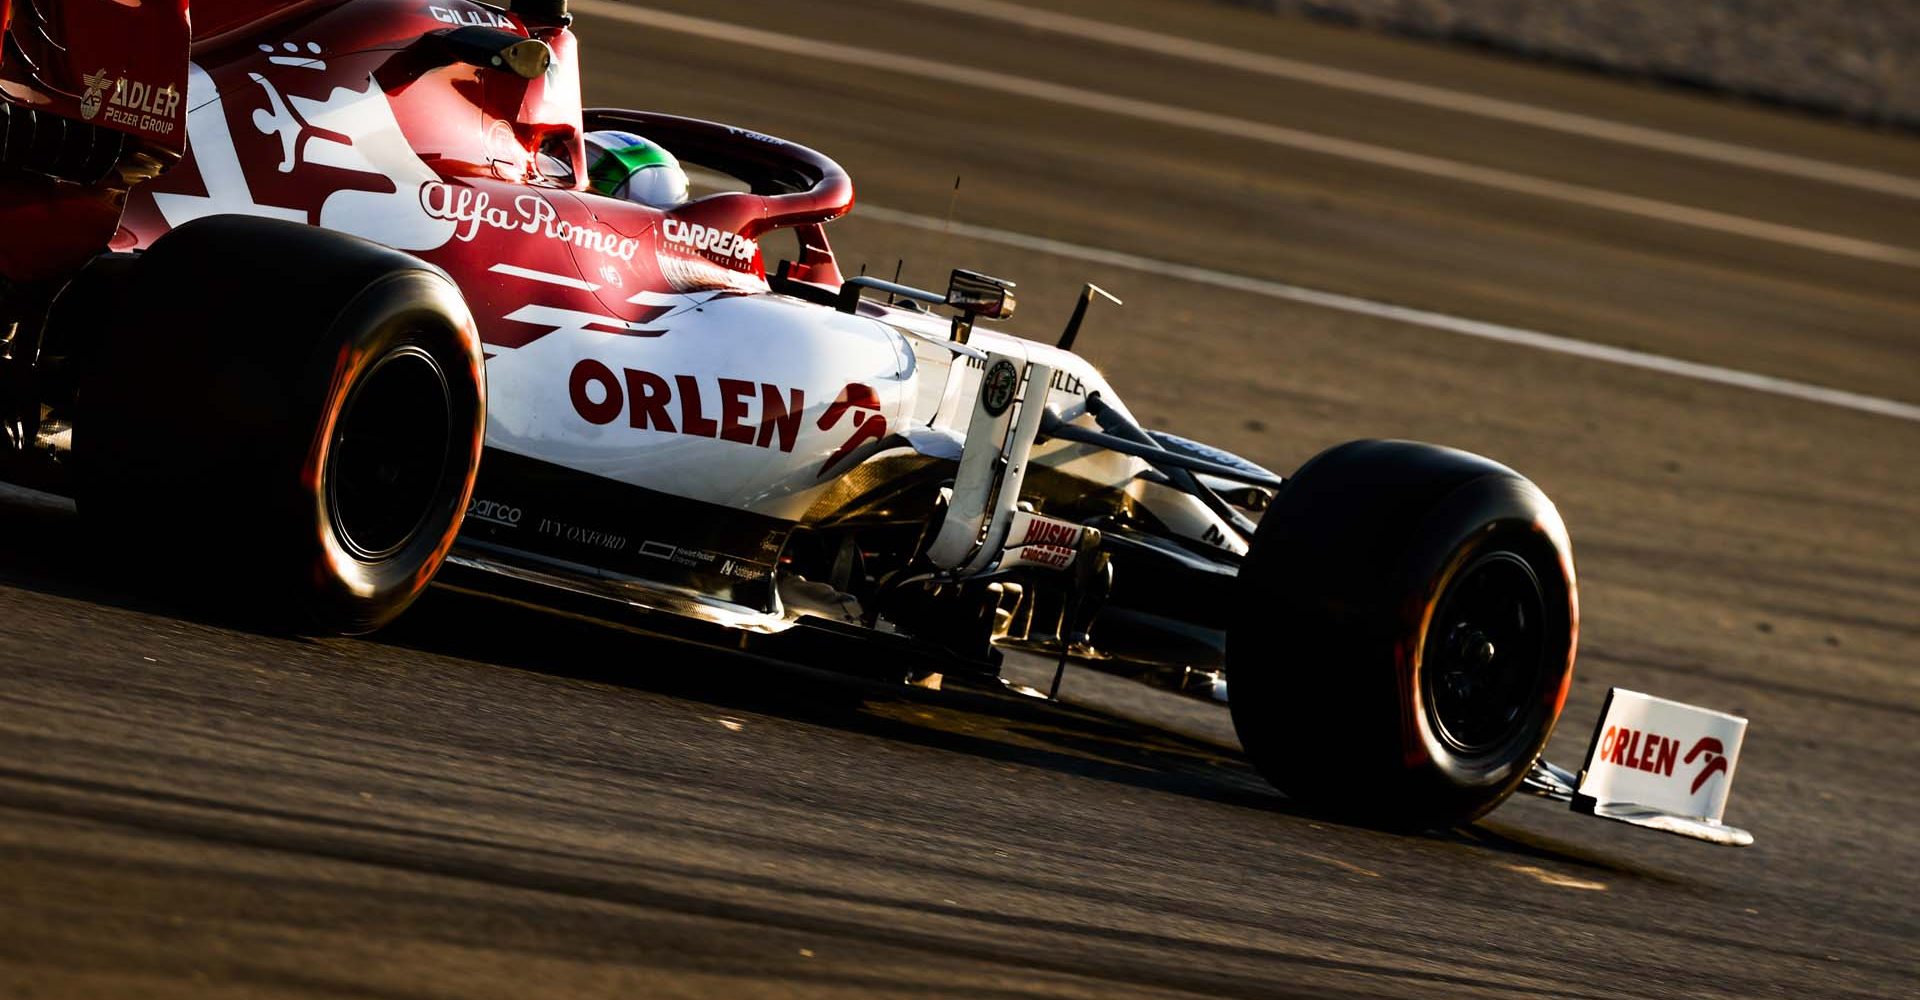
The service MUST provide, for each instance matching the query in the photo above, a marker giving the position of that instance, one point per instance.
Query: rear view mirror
(491, 48)
(980, 295)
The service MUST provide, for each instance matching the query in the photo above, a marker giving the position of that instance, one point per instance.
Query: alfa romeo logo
(997, 392)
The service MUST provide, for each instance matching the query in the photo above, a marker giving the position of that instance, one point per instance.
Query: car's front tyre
(1406, 633)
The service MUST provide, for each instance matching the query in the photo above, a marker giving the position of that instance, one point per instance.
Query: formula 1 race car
(320, 291)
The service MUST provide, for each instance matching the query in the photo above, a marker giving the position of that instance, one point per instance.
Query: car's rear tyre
(1406, 634)
(289, 417)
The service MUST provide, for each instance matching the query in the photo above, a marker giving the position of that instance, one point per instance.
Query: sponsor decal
(494, 512)
(468, 17)
(1662, 755)
(861, 405)
(591, 537)
(688, 557)
(998, 385)
(584, 518)
(714, 242)
(741, 570)
(96, 84)
(1640, 751)
(696, 257)
(1063, 380)
(1048, 542)
(133, 98)
(761, 415)
(470, 208)
(1713, 756)
(755, 136)
(133, 103)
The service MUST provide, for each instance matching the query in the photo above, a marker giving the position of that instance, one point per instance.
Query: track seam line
(1242, 128)
(1444, 98)
(1624, 357)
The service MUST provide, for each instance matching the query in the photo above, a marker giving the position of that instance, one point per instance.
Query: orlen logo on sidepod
(759, 414)
(1657, 754)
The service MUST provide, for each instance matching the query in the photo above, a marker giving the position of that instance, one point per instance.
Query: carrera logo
(762, 415)
(708, 240)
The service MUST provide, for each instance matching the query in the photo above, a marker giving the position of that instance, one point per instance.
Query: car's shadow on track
(44, 548)
(976, 718)
(980, 719)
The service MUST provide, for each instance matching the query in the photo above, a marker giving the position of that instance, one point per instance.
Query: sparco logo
(495, 512)
(996, 390)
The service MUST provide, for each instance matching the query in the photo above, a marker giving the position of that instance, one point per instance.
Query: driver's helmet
(623, 165)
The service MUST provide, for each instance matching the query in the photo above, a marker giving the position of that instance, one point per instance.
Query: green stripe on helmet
(617, 163)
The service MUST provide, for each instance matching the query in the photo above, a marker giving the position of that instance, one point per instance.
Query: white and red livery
(326, 277)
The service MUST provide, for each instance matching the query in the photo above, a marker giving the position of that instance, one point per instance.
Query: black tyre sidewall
(1495, 513)
(353, 594)
(1325, 657)
(206, 413)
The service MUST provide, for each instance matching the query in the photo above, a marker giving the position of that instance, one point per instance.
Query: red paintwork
(473, 136)
(470, 138)
(118, 66)
(50, 229)
(212, 18)
(134, 50)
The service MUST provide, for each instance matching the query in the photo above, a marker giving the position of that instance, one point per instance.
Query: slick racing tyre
(1405, 636)
(287, 416)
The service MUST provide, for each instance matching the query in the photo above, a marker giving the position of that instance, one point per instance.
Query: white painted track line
(1402, 314)
(1446, 99)
(1167, 114)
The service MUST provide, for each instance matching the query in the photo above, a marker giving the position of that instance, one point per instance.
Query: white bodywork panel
(1663, 757)
(759, 401)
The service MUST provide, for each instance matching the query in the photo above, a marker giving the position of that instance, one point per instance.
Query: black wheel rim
(388, 457)
(1485, 653)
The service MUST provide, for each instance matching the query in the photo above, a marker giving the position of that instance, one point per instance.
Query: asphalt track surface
(488, 801)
